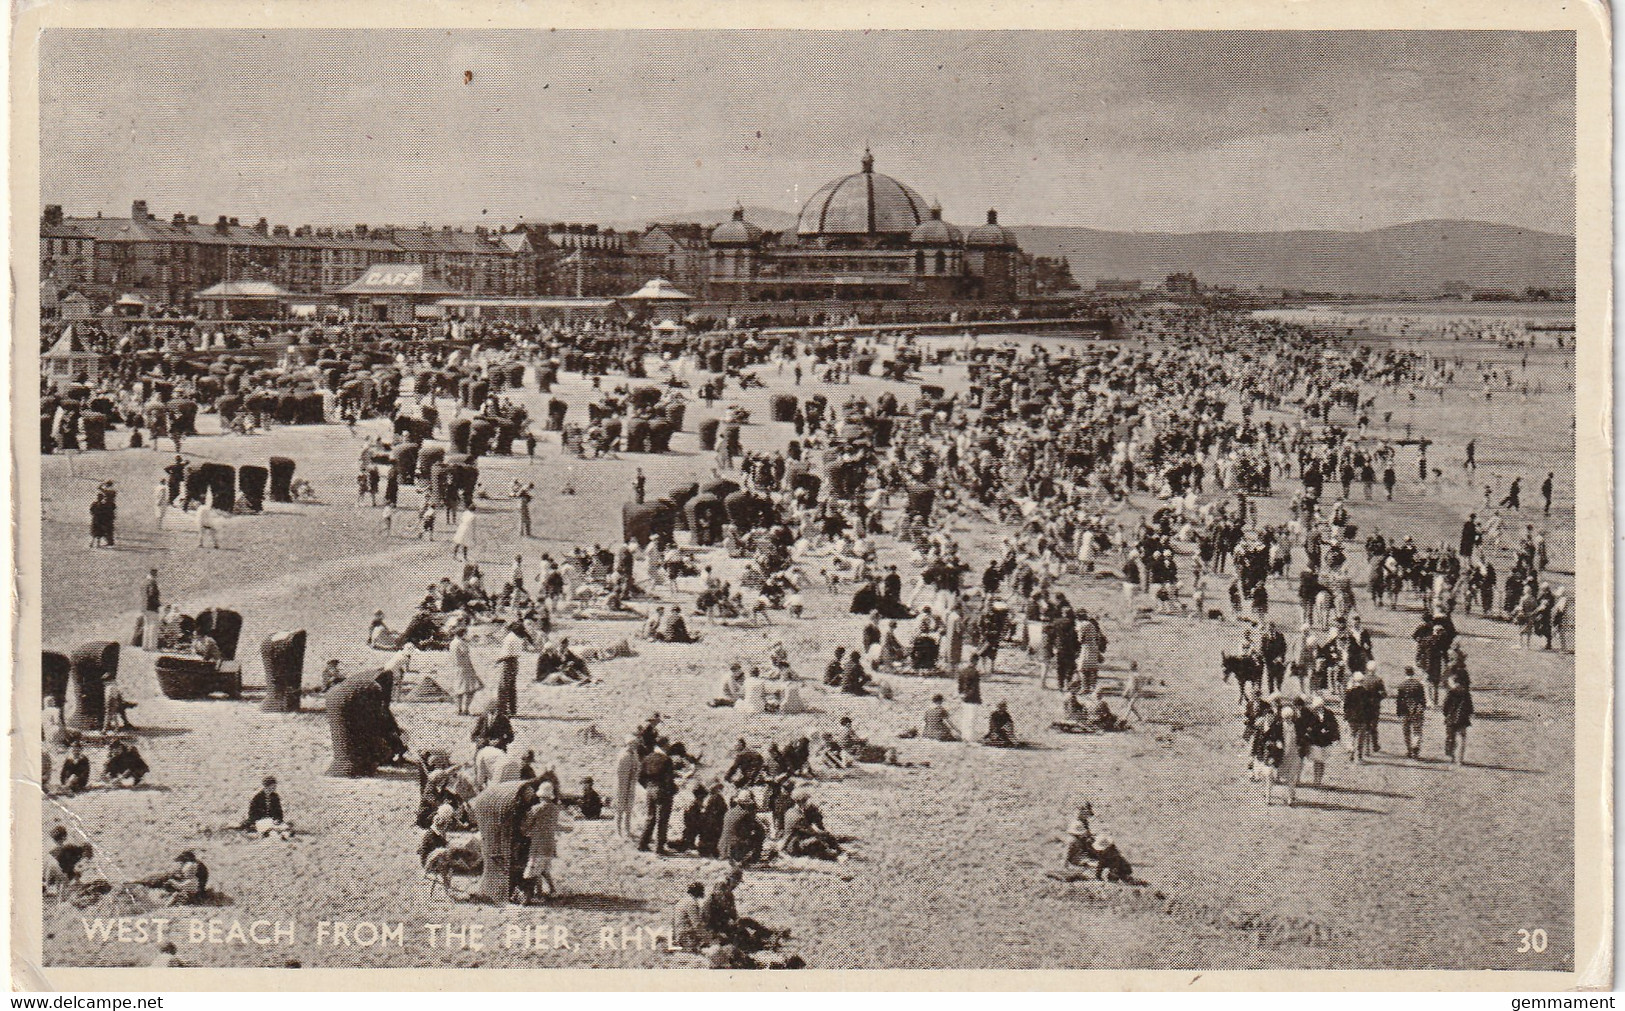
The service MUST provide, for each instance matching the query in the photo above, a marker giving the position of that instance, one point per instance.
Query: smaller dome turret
(992, 234)
(737, 232)
(934, 231)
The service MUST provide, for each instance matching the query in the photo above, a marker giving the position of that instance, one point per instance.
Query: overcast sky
(1147, 131)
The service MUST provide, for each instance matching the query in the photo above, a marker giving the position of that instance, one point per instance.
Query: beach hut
(70, 356)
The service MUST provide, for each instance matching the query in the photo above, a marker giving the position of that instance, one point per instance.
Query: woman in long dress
(953, 637)
(626, 787)
(1291, 766)
(468, 682)
(464, 536)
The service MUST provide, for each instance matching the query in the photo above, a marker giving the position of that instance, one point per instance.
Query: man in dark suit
(659, 779)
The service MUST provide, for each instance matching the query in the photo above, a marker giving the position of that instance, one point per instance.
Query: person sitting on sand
(675, 629)
(722, 918)
(742, 831)
(747, 765)
(688, 929)
(732, 688)
(561, 666)
(75, 774)
(834, 672)
(854, 679)
(1100, 715)
(492, 727)
(804, 831)
(265, 816)
(184, 883)
(63, 859)
(438, 835)
(1001, 728)
(207, 649)
(1110, 864)
(936, 725)
(859, 749)
(657, 620)
(590, 806)
(125, 767)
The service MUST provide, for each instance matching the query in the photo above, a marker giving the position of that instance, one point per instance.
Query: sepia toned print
(955, 500)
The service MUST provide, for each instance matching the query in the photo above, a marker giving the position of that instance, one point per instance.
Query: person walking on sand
(464, 536)
(160, 501)
(1458, 716)
(151, 604)
(1322, 731)
(525, 495)
(1286, 745)
(1411, 706)
(208, 522)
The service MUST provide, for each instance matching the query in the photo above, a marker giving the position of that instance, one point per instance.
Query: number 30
(1531, 940)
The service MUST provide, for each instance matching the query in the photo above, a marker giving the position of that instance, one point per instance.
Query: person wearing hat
(1360, 708)
(1411, 705)
(1322, 732)
(658, 775)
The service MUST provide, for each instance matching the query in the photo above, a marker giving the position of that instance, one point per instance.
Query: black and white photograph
(780, 499)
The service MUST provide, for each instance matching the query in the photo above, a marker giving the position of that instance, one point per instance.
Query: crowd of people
(1204, 464)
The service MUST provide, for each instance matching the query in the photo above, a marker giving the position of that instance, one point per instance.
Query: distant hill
(1417, 257)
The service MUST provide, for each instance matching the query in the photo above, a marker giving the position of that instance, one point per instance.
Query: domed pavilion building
(865, 237)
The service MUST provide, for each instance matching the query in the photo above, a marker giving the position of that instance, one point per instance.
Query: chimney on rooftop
(262, 227)
(223, 225)
(191, 219)
(361, 231)
(279, 230)
(53, 214)
(178, 220)
(138, 210)
(235, 222)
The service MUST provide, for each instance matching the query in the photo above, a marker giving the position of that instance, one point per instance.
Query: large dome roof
(864, 203)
